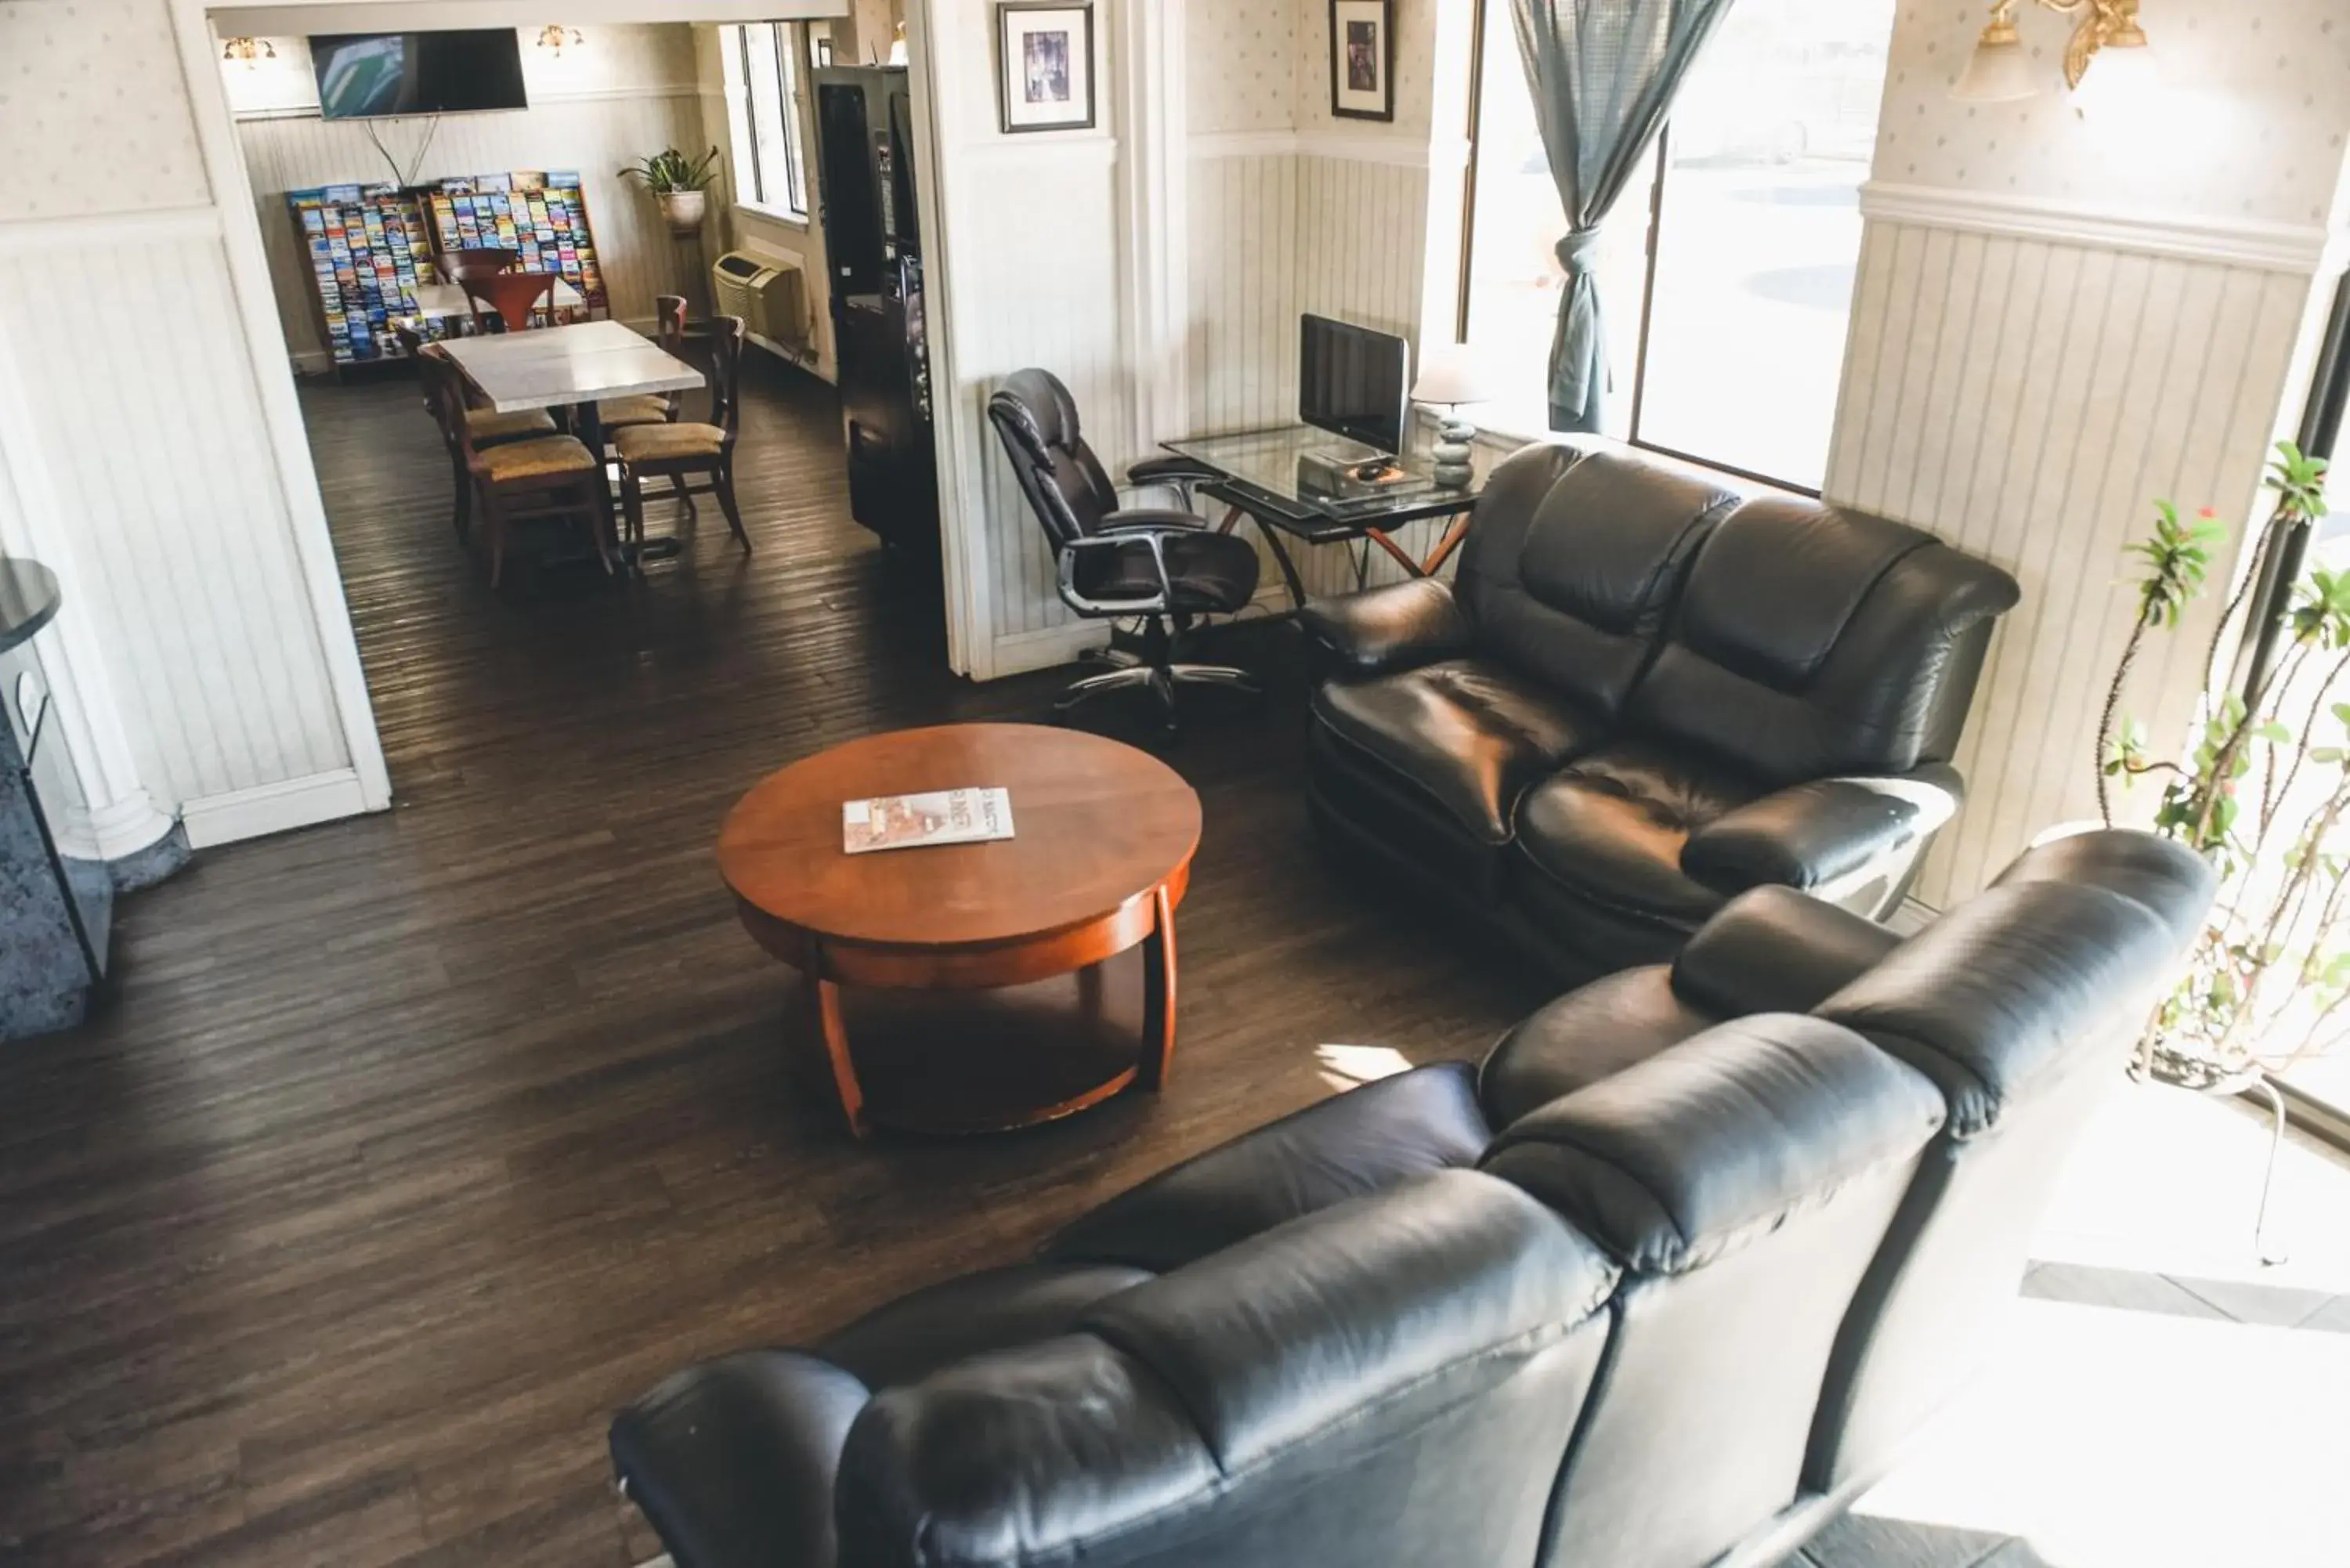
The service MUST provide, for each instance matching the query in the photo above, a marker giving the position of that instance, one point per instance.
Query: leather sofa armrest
(1811, 836)
(1354, 1143)
(734, 1461)
(1773, 949)
(1398, 627)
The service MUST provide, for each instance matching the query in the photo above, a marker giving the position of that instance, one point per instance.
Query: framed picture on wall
(1362, 59)
(1043, 65)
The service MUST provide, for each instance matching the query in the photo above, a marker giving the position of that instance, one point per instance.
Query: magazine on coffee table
(939, 816)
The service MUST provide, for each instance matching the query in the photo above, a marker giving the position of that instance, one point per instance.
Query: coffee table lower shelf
(986, 1043)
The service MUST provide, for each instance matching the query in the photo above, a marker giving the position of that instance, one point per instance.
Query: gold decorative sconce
(2000, 70)
(555, 38)
(248, 51)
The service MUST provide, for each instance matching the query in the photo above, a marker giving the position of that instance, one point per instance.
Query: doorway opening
(500, 254)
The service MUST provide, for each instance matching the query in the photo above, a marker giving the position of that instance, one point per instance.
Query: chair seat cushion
(488, 425)
(1211, 573)
(1594, 1032)
(549, 457)
(667, 442)
(1610, 825)
(642, 409)
(1468, 734)
(914, 1336)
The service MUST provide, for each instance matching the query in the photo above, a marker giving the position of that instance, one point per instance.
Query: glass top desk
(1288, 481)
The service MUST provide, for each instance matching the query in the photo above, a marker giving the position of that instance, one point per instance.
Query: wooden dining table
(573, 367)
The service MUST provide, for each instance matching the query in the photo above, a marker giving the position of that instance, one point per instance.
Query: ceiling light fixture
(248, 51)
(555, 38)
(2000, 70)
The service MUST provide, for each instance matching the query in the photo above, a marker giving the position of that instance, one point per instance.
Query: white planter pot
(684, 211)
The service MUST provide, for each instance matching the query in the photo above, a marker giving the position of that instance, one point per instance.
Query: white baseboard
(1026, 651)
(273, 808)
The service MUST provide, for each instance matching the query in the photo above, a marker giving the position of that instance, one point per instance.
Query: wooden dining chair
(448, 397)
(651, 407)
(509, 299)
(477, 261)
(683, 451)
(549, 476)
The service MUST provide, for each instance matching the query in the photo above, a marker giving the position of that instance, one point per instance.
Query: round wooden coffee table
(1102, 853)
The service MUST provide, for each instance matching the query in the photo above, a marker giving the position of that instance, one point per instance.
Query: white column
(123, 818)
(1149, 98)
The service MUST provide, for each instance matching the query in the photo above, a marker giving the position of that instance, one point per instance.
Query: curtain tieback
(1574, 252)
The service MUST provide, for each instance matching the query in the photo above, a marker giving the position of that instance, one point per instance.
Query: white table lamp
(1451, 374)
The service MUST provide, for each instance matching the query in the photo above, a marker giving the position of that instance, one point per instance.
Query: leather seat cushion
(1213, 574)
(1468, 734)
(915, 1334)
(734, 1461)
(1359, 1142)
(488, 425)
(1610, 825)
(665, 442)
(549, 457)
(644, 410)
(1592, 1032)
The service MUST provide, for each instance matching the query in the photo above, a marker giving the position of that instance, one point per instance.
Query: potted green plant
(681, 184)
(2262, 790)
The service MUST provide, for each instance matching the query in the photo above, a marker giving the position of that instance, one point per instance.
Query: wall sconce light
(2000, 70)
(555, 40)
(249, 52)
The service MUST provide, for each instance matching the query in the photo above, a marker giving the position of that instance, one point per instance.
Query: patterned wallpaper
(93, 111)
(1243, 64)
(2249, 121)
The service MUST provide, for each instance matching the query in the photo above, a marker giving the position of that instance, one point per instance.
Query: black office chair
(1161, 565)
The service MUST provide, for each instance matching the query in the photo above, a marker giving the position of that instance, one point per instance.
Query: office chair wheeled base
(1161, 680)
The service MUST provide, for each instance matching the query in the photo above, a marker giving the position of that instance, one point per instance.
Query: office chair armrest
(1140, 519)
(1172, 469)
(1159, 603)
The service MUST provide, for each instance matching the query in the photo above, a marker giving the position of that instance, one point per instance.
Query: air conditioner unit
(771, 296)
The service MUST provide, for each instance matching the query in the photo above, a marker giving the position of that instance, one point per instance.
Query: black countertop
(29, 597)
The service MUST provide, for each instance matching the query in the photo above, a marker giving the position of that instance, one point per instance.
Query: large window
(762, 100)
(1726, 269)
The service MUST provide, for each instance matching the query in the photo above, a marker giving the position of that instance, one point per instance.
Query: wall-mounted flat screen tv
(370, 76)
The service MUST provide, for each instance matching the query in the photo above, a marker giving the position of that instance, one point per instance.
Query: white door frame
(248, 266)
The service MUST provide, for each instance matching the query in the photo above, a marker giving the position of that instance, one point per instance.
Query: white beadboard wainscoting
(155, 453)
(1335, 224)
(595, 134)
(1047, 271)
(2027, 383)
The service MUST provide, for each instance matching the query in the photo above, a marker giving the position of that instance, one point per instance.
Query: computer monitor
(1351, 381)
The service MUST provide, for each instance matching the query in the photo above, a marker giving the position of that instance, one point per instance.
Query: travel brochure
(939, 816)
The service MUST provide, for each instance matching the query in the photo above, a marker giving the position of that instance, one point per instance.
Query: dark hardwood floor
(408, 1147)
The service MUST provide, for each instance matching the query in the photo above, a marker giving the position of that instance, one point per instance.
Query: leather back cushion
(1056, 470)
(1812, 641)
(1422, 1353)
(1575, 562)
(1711, 1145)
(1997, 996)
(1745, 1177)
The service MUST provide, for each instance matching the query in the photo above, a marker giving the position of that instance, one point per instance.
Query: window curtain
(1603, 73)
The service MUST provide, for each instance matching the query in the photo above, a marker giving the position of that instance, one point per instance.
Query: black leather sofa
(1647, 692)
(1665, 1283)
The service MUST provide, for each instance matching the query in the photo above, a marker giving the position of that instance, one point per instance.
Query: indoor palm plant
(681, 184)
(2261, 791)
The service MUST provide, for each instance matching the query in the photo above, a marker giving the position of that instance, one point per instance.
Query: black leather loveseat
(1647, 692)
(1665, 1284)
